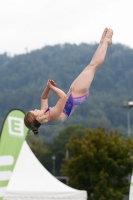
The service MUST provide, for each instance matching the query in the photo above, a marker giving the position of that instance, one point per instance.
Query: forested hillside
(23, 78)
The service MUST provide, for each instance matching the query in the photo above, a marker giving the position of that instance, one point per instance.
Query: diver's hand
(50, 83)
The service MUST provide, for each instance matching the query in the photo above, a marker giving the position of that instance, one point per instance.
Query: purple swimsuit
(71, 103)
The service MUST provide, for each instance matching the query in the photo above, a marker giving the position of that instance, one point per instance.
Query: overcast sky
(32, 24)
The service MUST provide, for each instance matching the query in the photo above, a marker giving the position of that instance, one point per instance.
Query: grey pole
(128, 105)
(128, 121)
(53, 158)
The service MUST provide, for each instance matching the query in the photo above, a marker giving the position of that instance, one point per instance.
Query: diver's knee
(92, 66)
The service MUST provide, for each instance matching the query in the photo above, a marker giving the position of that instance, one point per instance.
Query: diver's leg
(82, 83)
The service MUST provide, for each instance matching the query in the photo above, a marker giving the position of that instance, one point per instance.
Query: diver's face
(37, 112)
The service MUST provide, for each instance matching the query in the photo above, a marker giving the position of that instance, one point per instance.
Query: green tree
(99, 164)
(59, 143)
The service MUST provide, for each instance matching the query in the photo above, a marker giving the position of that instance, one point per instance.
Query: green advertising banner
(12, 137)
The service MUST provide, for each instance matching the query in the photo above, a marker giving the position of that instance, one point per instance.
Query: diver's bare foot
(103, 35)
(108, 36)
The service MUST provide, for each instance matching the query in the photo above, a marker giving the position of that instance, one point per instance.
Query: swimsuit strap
(48, 109)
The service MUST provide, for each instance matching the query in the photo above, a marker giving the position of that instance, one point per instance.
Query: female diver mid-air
(78, 91)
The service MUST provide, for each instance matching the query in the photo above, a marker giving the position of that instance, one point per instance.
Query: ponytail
(35, 130)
